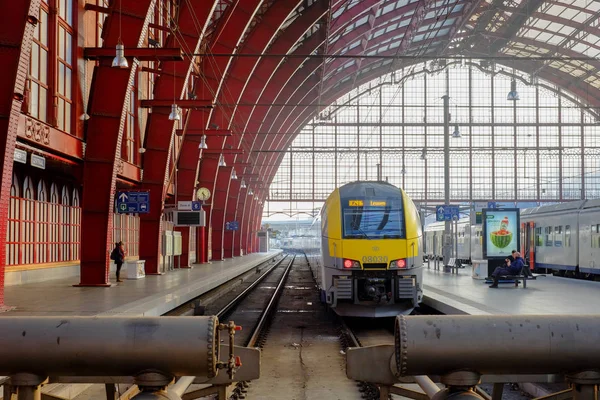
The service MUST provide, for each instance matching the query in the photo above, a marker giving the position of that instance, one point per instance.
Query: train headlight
(348, 264)
(398, 264)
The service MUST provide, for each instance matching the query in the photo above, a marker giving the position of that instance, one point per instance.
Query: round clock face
(203, 194)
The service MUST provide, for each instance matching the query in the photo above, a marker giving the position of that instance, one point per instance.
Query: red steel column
(219, 205)
(239, 216)
(15, 48)
(232, 203)
(108, 96)
(160, 130)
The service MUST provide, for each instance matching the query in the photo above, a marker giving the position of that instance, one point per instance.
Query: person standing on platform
(512, 268)
(118, 256)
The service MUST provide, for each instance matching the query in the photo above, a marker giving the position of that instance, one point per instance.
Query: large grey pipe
(546, 344)
(108, 346)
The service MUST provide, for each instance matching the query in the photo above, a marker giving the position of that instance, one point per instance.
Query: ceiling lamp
(243, 184)
(403, 172)
(233, 175)
(120, 61)
(202, 144)
(174, 116)
(513, 95)
(423, 154)
(456, 134)
(222, 161)
(250, 192)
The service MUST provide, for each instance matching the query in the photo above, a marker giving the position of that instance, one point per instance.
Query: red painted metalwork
(140, 53)
(15, 46)
(192, 18)
(219, 205)
(155, 103)
(108, 95)
(199, 132)
(229, 237)
(234, 24)
(42, 135)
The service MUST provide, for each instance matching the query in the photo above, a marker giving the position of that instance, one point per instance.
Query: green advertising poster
(501, 232)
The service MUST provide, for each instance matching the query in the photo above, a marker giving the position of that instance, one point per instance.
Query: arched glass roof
(542, 147)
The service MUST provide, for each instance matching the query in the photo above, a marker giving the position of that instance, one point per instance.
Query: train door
(528, 243)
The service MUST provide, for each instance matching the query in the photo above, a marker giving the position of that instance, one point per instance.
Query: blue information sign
(492, 204)
(446, 213)
(196, 205)
(133, 202)
(232, 226)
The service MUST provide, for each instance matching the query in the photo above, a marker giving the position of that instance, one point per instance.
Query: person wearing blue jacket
(512, 268)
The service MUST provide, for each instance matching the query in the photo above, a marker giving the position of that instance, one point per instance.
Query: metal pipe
(108, 346)
(29, 393)
(496, 344)
(428, 386)
(182, 385)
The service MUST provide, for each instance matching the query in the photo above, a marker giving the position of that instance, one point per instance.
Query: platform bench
(527, 276)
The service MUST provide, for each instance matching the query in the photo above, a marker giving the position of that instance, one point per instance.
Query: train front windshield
(383, 220)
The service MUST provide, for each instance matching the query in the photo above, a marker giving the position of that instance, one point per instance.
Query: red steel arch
(16, 33)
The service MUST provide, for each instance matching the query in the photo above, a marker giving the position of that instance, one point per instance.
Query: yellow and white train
(367, 258)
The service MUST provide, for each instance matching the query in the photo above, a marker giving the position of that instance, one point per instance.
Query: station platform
(459, 293)
(153, 295)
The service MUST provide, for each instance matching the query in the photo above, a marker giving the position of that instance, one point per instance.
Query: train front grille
(406, 287)
(375, 266)
(344, 288)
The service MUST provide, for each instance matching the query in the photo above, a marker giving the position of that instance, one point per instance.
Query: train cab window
(567, 235)
(538, 237)
(384, 221)
(558, 236)
(549, 235)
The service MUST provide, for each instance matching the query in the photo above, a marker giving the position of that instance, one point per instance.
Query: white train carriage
(549, 236)
(434, 238)
(563, 237)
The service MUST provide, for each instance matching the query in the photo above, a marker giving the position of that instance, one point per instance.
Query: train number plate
(374, 259)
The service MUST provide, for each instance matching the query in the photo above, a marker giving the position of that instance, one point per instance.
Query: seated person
(512, 268)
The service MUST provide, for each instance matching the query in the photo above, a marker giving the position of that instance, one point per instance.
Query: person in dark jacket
(511, 268)
(118, 256)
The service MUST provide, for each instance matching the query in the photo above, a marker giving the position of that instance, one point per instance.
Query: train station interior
(325, 180)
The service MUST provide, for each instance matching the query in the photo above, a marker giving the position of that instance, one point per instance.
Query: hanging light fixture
(202, 144)
(233, 175)
(456, 134)
(250, 192)
(513, 95)
(423, 154)
(174, 116)
(243, 184)
(403, 172)
(222, 161)
(120, 61)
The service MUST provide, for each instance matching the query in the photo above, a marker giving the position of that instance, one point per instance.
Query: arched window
(41, 222)
(28, 218)
(75, 225)
(54, 224)
(65, 224)
(13, 228)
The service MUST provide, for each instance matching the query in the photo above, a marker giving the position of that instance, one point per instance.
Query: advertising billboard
(500, 232)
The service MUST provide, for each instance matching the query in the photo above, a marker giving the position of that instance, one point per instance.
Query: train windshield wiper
(357, 228)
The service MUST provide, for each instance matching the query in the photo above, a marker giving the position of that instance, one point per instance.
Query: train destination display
(500, 232)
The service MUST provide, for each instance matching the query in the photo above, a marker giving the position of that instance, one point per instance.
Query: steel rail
(271, 306)
(225, 310)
